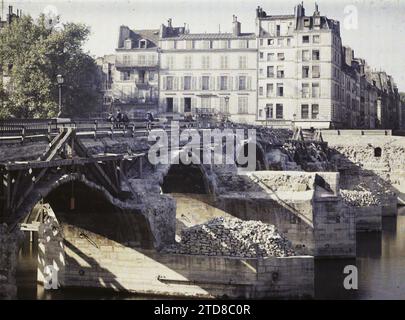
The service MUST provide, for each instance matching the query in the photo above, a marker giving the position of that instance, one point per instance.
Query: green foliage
(31, 56)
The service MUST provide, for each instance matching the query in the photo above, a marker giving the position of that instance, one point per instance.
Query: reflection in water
(380, 261)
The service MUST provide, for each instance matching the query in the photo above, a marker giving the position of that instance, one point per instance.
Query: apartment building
(292, 71)
(135, 87)
(298, 69)
(214, 73)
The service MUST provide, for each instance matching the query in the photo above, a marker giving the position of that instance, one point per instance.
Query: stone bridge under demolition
(108, 218)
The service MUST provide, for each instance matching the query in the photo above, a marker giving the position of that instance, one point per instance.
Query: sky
(375, 29)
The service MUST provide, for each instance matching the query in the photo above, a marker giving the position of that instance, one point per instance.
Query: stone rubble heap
(359, 198)
(232, 237)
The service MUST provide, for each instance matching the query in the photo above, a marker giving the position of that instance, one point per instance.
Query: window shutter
(193, 104)
(181, 109)
(164, 84)
(237, 83)
(175, 104)
(249, 83)
(199, 83)
(181, 83)
(194, 83)
(176, 83)
(212, 83)
(218, 83)
(230, 85)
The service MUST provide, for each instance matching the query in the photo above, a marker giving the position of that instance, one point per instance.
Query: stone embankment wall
(371, 163)
(305, 207)
(101, 261)
(10, 243)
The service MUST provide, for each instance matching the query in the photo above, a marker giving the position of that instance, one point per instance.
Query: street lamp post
(60, 80)
(226, 109)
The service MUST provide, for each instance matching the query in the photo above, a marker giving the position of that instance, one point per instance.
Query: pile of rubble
(232, 237)
(357, 198)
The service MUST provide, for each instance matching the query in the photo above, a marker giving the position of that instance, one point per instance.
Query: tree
(32, 54)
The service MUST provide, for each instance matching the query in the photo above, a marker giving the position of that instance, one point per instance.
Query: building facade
(299, 59)
(135, 87)
(213, 73)
(292, 71)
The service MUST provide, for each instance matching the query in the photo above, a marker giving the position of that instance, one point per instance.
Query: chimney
(169, 23)
(236, 26)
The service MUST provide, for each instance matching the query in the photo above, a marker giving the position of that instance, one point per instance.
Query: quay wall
(100, 262)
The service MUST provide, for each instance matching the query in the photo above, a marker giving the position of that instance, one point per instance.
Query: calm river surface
(380, 261)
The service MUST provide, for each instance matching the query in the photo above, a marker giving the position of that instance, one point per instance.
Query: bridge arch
(92, 203)
(187, 178)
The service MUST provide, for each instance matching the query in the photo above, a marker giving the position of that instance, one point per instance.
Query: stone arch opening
(185, 179)
(377, 152)
(260, 162)
(79, 239)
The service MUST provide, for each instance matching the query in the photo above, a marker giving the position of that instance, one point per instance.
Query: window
(211, 44)
(315, 90)
(280, 90)
(223, 83)
(315, 111)
(206, 102)
(142, 44)
(261, 55)
(224, 62)
(260, 91)
(243, 44)
(243, 105)
(261, 42)
(304, 111)
(141, 60)
(242, 83)
(170, 62)
(190, 44)
(169, 83)
(280, 72)
(307, 22)
(270, 57)
(280, 56)
(270, 42)
(151, 60)
(187, 62)
(279, 42)
(279, 111)
(187, 83)
(315, 55)
(126, 75)
(126, 59)
(128, 44)
(206, 44)
(305, 55)
(315, 72)
(305, 90)
(205, 83)
(269, 111)
(205, 62)
(270, 72)
(278, 30)
(242, 62)
(305, 39)
(269, 90)
(288, 42)
(377, 152)
(305, 72)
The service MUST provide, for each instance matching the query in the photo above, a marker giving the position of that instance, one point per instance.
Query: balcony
(125, 65)
(142, 85)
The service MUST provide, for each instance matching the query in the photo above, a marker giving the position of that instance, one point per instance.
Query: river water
(380, 262)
